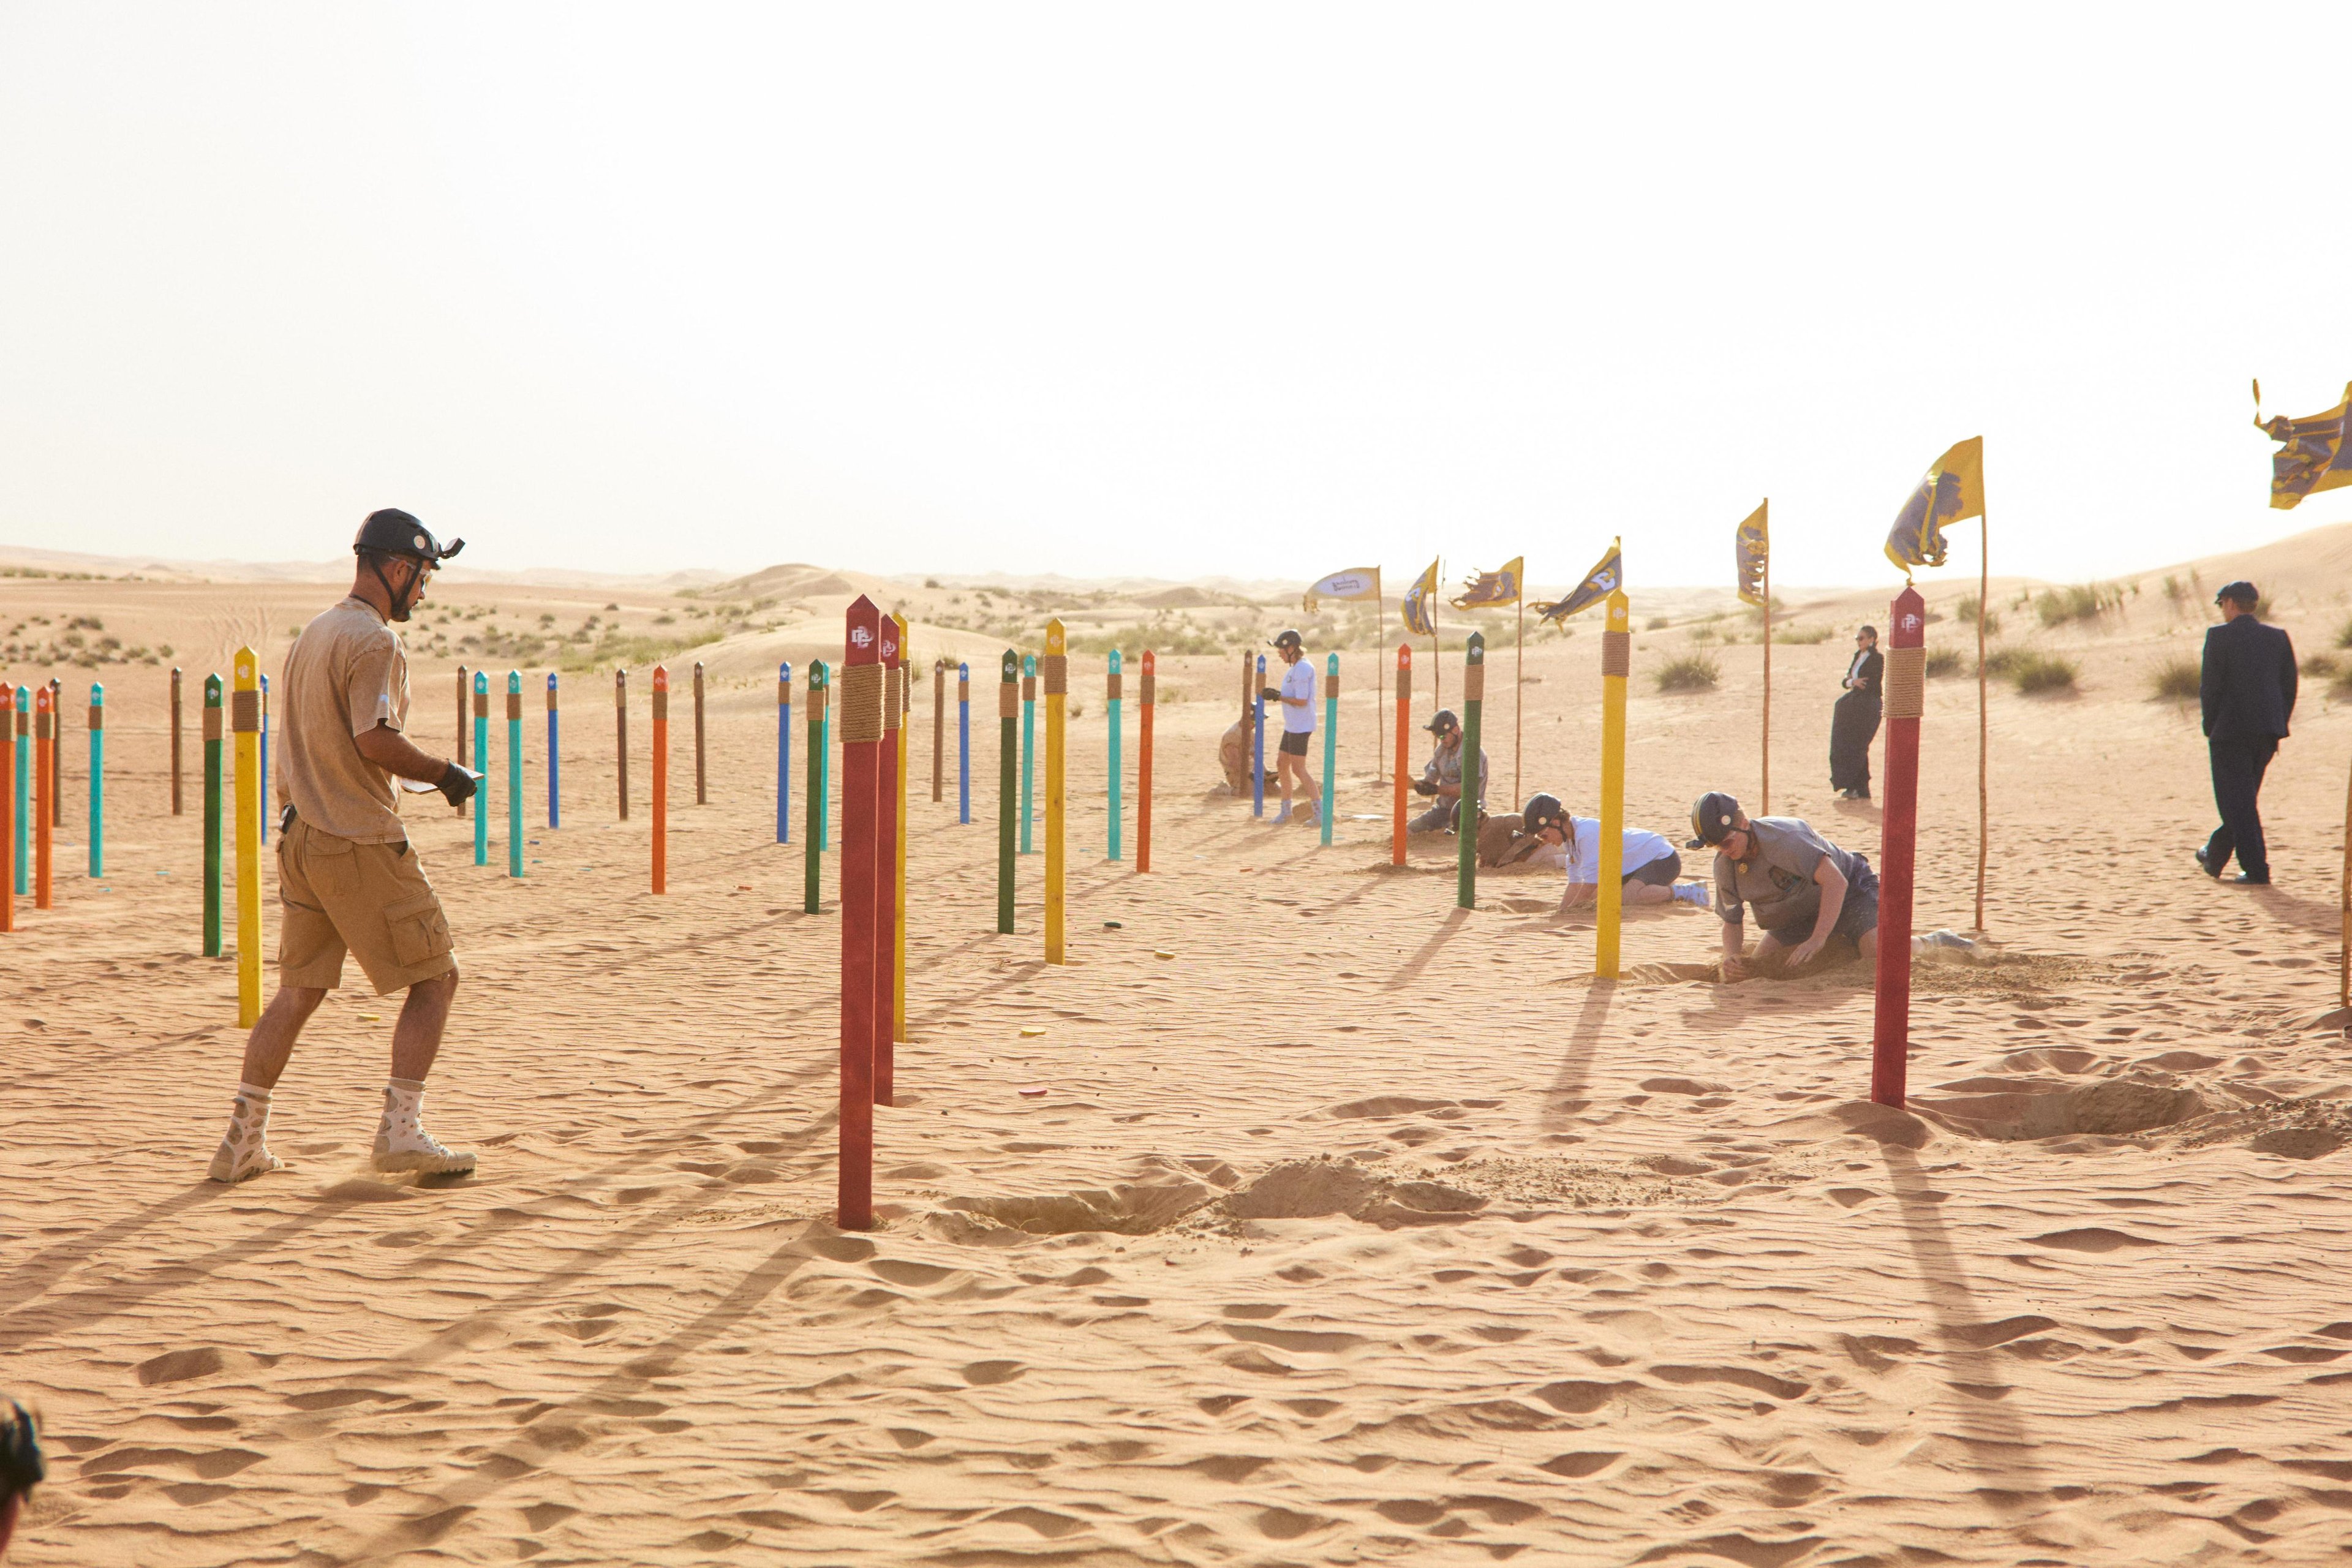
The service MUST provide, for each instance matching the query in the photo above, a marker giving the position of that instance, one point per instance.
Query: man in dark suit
(2248, 688)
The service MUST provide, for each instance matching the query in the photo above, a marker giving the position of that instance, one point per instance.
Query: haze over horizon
(1227, 291)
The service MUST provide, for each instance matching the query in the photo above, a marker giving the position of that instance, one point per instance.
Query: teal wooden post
(1330, 738)
(554, 759)
(97, 780)
(1028, 760)
(1007, 745)
(514, 773)
(814, 836)
(1113, 694)
(482, 760)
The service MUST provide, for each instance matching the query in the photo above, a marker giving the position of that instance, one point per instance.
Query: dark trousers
(2238, 769)
(1853, 724)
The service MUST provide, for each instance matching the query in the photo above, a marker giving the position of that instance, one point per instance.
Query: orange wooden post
(1150, 700)
(1403, 740)
(661, 779)
(44, 742)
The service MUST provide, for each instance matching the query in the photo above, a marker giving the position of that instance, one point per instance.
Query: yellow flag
(1420, 608)
(2313, 452)
(1608, 574)
(1492, 587)
(1950, 491)
(1359, 583)
(1751, 547)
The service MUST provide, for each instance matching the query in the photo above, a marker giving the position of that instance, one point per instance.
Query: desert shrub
(1691, 673)
(1657, 623)
(1804, 636)
(2318, 666)
(2344, 635)
(2176, 679)
(1943, 662)
(1966, 610)
(2033, 671)
(2077, 601)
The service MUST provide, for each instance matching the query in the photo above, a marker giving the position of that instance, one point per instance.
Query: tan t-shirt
(346, 675)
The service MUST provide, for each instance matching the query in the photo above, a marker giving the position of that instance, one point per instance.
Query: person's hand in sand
(1804, 888)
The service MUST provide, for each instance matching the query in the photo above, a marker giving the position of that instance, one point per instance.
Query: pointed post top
(816, 672)
(1147, 661)
(97, 694)
(1331, 665)
(963, 672)
(1261, 663)
(892, 631)
(1057, 641)
(1010, 667)
(1477, 650)
(862, 639)
(43, 699)
(481, 680)
(661, 678)
(1908, 620)
(784, 670)
(551, 681)
(212, 694)
(1404, 656)
(1114, 662)
(244, 668)
(1619, 612)
(514, 682)
(1028, 664)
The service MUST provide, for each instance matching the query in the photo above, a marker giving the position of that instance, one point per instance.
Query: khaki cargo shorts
(371, 899)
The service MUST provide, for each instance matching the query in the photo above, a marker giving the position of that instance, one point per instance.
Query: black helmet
(1288, 637)
(1542, 811)
(1711, 817)
(393, 531)
(1441, 720)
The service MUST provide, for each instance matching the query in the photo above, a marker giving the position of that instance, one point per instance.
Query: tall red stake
(887, 891)
(858, 711)
(1906, 686)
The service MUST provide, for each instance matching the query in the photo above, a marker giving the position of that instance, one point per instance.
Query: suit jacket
(1872, 673)
(2248, 684)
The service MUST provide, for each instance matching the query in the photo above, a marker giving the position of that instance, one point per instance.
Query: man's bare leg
(401, 1142)
(417, 1038)
(244, 1153)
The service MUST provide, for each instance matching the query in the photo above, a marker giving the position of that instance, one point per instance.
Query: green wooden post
(1112, 700)
(98, 780)
(819, 709)
(1330, 738)
(1465, 816)
(1008, 747)
(514, 773)
(212, 816)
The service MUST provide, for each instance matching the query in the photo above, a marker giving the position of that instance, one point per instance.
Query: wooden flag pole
(701, 789)
(1465, 812)
(621, 737)
(212, 742)
(813, 834)
(1056, 672)
(886, 864)
(885, 1069)
(1907, 684)
(98, 780)
(244, 722)
(514, 773)
(661, 779)
(175, 740)
(56, 753)
(1984, 792)
(554, 759)
(939, 730)
(1330, 739)
(1380, 680)
(44, 750)
(1616, 665)
(1404, 728)
(1008, 748)
(784, 752)
(2344, 921)
(482, 764)
(1257, 742)
(1150, 697)
(1111, 702)
(1518, 694)
(1765, 784)
(861, 761)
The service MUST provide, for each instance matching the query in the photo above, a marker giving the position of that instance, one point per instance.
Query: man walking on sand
(2248, 691)
(347, 877)
(1297, 695)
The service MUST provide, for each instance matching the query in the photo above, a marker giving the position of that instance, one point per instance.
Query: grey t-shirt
(1445, 768)
(1777, 875)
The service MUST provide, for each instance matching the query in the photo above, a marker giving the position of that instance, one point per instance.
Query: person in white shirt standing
(1297, 695)
(1653, 866)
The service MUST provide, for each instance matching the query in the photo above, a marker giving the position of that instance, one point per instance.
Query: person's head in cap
(2237, 599)
(401, 554)
(21, 1469)
(1289, 644)
(1545, 817)
(1446, 726)
(1719, 824)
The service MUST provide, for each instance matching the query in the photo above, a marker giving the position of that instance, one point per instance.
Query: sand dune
(1348, 1226)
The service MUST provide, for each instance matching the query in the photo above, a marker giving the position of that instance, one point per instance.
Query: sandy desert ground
(1348, 1228)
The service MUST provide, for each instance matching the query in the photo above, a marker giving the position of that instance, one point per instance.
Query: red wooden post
(1143, 767)
(1403, 740)
(661, 778)
(858, 705)
(1906, 669)
(887, 891)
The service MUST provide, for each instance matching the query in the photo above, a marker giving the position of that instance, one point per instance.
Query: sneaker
(244, 1153)
(2208, 867)
(404, 1145)
(1283, 817)
(2248, 880)
(1692, 893)
(1949, 940)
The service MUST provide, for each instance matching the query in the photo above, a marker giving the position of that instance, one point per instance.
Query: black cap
(393, 531)
(1711, 818)
(1441, 721)
(2240, 593)
(21, 1469)
(1542, 811)
(1288, 637)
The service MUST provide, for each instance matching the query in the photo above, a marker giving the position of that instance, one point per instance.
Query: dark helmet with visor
(393, 535)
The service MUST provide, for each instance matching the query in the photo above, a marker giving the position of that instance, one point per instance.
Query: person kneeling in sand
(1650, 871)
(1441, 780)
(347, 876)
(1805, 890)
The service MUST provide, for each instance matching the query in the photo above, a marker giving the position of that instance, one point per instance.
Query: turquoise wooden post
(1028, 756)
(264, 761)
(963, 743)
(554, 760)
(98, 780)
(482, 760)
(784, 752)
(514, 773)
(25, 789)
(1113, 696)
(1330, 738)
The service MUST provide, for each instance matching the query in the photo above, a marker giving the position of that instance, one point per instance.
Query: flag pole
(1380, 678)
(1436, 671)
(1765, 809)
(1518, 686)
(1984, 808)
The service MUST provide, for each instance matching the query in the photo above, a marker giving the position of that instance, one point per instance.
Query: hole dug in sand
(2113, 1108)
(1295, 1189)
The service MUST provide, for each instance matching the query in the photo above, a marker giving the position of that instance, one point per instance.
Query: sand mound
(2115, 1108)
(1131, 1208)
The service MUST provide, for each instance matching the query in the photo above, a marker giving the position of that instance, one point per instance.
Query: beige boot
(244, 1153)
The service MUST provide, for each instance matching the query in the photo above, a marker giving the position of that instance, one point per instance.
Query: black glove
(457, 784)
(1422, 786)
(1271, 693)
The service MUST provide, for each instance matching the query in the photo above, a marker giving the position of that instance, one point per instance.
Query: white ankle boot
(403, 1145)
(244, 1153)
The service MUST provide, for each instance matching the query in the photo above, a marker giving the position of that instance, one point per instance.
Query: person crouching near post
(1652, 869)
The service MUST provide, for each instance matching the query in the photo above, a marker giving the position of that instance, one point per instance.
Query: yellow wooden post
(1616, 663)
(245, 724)
(1056, 671)
(898, 929)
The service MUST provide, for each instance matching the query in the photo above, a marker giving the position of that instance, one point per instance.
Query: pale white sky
(1253, 289)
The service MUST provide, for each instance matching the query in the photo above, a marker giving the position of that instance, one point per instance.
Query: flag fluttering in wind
(1750, 549)
(1492, 587)
(1420, 607)
(1950, 491)
(1363, 583)
(1608, 574)
(2314, 455)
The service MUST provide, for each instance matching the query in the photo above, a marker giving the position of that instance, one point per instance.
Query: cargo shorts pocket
(419, 930)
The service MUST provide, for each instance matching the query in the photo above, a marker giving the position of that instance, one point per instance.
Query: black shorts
(1662, 873)
(1293, 741)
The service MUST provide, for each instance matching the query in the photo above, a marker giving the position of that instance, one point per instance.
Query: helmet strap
(401, 602)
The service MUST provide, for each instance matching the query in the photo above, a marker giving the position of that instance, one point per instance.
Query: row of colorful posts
(32, 791)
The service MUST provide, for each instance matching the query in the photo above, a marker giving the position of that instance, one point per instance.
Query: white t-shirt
(1641, 847)
(1298, 681)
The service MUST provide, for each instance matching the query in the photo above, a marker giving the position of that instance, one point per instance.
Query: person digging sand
(1650, 872)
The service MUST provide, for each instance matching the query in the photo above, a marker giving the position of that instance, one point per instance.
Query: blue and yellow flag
(1950, 491)
(1751, 547)
(2314, 453)
(1421, 604)
(1492, 587)
(1360, 582)
(1608, 574)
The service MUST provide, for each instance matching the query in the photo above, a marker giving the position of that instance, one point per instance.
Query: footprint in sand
(2090, 1238)
(989, 1373)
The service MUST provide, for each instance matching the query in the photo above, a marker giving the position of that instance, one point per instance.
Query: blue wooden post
(1330, 738)
(963, 743)
(1028, 751)
(554, 760)
(1113, 703)
(514, 773)
(98, 780)
(265, 761)
(482, 760)
(1257, 742)
(784, 752)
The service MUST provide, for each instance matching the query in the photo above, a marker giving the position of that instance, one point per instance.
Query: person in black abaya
(1855, 723)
